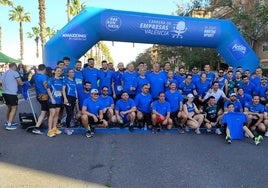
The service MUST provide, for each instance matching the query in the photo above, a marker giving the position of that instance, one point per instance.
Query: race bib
(57, 94)
(119, 88)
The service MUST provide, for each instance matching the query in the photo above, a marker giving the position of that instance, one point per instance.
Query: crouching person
(125, 111)
(161, 113)
(92, 113)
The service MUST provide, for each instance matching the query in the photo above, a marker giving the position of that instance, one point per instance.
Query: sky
(56, 17)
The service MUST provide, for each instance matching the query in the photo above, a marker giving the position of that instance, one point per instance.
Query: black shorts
(253, 122)
(50, 105)
(11, 100)
(44, 105)
(173, 115)
(91, 120)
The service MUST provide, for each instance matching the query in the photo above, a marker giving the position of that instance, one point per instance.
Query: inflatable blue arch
(95, 24)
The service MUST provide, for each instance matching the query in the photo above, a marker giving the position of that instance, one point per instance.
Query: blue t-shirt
(140, 82)
(55, 86)
(157, 83)
(262, 90)
(91, 75)
(186, 89)
(174, 99)
(122, 105)
(202, 87)
(130, 80)
(162, 108)
(195, 78)
(210, 77)
(255, 108)
(93, 107)
(143, 102)
(190, 108)
(249, 89)
(82, 95)
(117, 81)
(78, 76)
(70, 87)
(221, 82)
(39, 80)
(106, 80)
(237, 105)
(244, 99)
(235, 122)
(179, 78)
(107, 101)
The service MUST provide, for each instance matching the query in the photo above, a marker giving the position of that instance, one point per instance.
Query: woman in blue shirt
(69, 92)
(54, 91)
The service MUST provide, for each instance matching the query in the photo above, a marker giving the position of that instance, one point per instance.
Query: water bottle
(145, 127)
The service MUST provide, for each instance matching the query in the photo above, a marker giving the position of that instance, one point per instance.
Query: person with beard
(82, 95)
(91, 74)
(117, 88)
(78, 75)
(105, 77)
(108, 105)
(221, 79)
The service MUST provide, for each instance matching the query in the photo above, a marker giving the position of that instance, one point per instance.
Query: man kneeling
(92, 113)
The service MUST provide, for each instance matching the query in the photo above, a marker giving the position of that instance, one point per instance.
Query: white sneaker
(218, 131)
(266, 134)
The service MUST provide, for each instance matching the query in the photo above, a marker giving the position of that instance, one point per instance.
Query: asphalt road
(128, 160)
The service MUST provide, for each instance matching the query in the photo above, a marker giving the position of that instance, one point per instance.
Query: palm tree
(50, 32)
(9, 3)
(74, 7)
(42, 24)
(36, 35)
(17, 14)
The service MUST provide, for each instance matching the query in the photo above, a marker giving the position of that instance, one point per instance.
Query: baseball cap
(190, 95)
(232, 94)
(94, 91)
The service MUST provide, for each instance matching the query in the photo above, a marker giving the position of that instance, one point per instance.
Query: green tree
(42, 24)
(74, 7)
(36, 35)
(17, 14)
(50, 32)
(5, 3)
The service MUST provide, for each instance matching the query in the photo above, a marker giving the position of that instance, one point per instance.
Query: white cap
(94, 91)
(190, 95)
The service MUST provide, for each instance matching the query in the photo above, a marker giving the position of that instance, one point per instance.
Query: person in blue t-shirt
(248, 86)
(195, 74)
(237, 105)
(54, 90)
(129, 81)
(143, 102)
(202, 87)
(117, 88)
(233, 119)
(170, 79)
(82, 94)
(92, 113)
(40, 82)
(254, 111)
(175, 99)
(243, 98)
(105, 77)
(157, 81)
(91, 74)
(125, 111)
(141, 80)
(187, 86)
(262, 90)
(108, 105)
(78, 75)
(161, 112)
(210, 75)
(69, 92)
